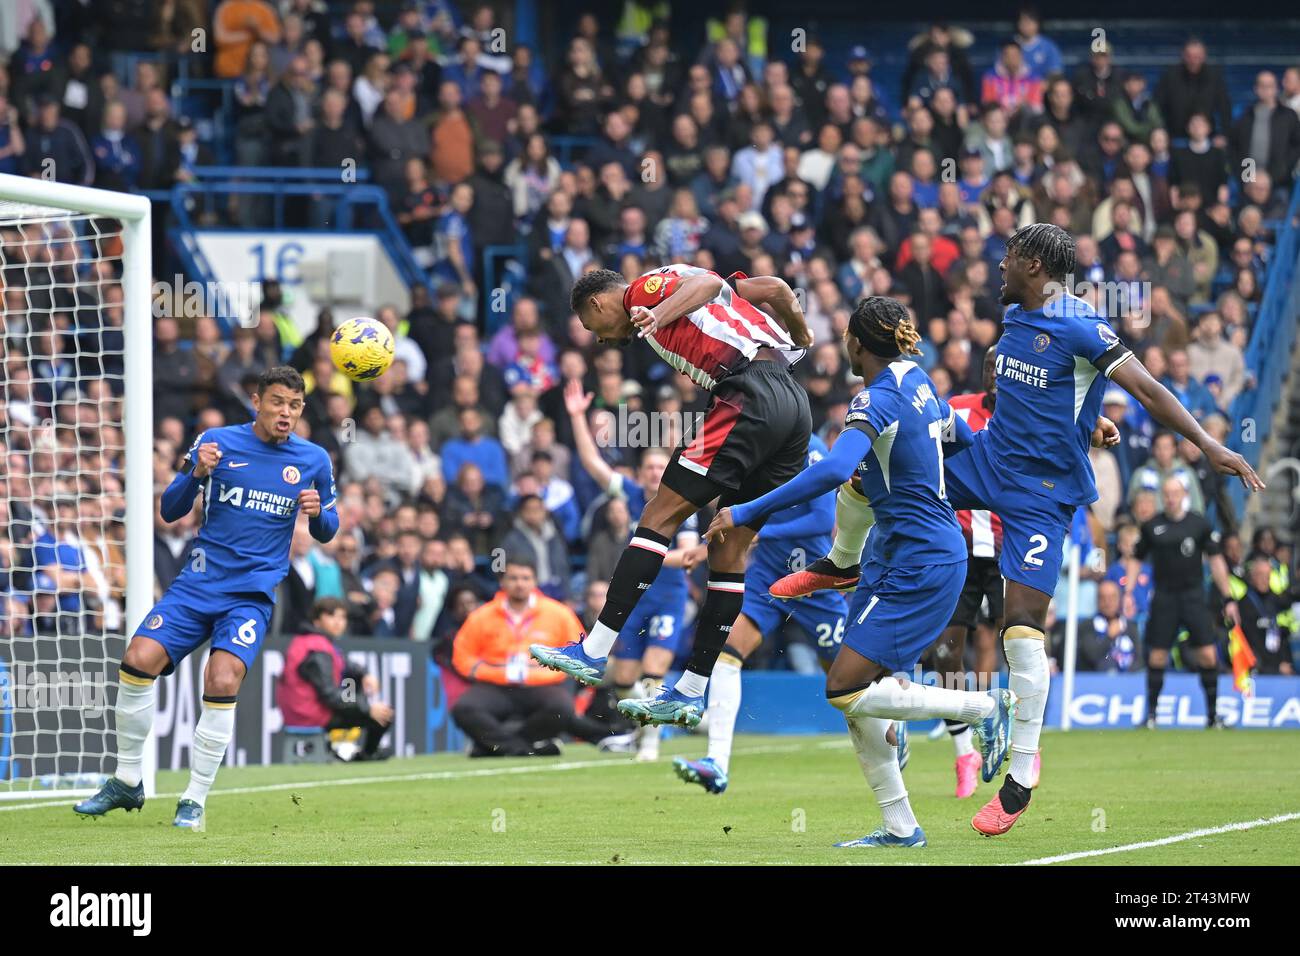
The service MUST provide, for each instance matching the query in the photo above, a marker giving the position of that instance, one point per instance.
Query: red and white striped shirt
(983, 529)
(714, 340)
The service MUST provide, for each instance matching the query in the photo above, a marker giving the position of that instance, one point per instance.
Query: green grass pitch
(790, 799)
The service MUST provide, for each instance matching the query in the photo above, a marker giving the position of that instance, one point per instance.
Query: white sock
(648, 737)
(724, 705)
(134, 717)
(600, 641)
(691, 684)
(211, 736)
(878, 759)
(1030, 677)
(890, 699)
(853, 519)
(962, 742)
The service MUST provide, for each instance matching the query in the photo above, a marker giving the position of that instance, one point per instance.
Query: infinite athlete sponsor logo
(256, 500)
(1018, 370)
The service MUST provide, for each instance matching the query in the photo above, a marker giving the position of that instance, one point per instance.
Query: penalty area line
(1164, 841)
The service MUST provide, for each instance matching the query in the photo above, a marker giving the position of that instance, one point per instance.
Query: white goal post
(63, 244)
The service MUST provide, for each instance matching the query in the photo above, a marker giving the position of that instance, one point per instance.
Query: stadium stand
(497, 153)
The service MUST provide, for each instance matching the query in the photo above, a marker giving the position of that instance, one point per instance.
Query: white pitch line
(434, 775)
(1165, 841)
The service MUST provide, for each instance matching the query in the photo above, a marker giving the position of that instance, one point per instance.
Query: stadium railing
(355, 205)
(1268, 354)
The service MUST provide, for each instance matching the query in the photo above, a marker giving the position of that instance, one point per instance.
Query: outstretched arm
(1164, 408)
(825, 475)
(774, 295)
(576, 403)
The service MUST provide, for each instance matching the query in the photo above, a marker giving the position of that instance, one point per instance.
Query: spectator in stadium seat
(237, 24)
(474, 508)
(382, 619)
(453, 136)
(12, 144)
(503, 349)
(159, 142)
(1042, 56)
(454, 242)
(1012, 85)
(56, 147)
(760, 164)
(1190, 393)
(491, 217)
(473, 446)
(531, 178)
(172, 544)
(1096, 82)
(1193, 86)
(922, 281)
(1135, 109)
(515, 425)
(1269, 133)
(514, 706)
(1110, 641)
(175, 369)
(1201, 161)
(393, 142)
(1210, 352)
(289, 115)
(375, 452)
(1163, 464)
(533, 533)
(1166, 266)
(353, 47)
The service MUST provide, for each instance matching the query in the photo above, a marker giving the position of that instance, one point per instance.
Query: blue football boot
(705, 772)
(884, 838)
(570, 659)
(189, 815)
(994, 732)
(669, 706)
(112, 795)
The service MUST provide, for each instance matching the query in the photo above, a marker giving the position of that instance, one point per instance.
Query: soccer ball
(362, 349)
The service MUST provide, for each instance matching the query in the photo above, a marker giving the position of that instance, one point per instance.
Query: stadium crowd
(716, 151)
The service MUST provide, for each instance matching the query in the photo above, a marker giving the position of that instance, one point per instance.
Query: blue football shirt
(1052, 367)
(250, 506)
(902, 475)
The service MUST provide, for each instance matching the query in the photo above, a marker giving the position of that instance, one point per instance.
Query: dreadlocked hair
(1049, 244)
(884, 328)
(593, 283)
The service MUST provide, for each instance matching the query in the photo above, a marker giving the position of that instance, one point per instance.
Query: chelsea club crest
(1041, 341)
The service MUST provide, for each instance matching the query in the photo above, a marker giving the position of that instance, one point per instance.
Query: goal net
(76, 482)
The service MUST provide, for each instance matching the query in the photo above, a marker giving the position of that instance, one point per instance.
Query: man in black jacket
(1193, 86)
(56, 147)
(289, 110)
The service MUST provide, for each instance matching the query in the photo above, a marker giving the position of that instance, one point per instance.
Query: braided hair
(1051, 245)
(884, 328)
